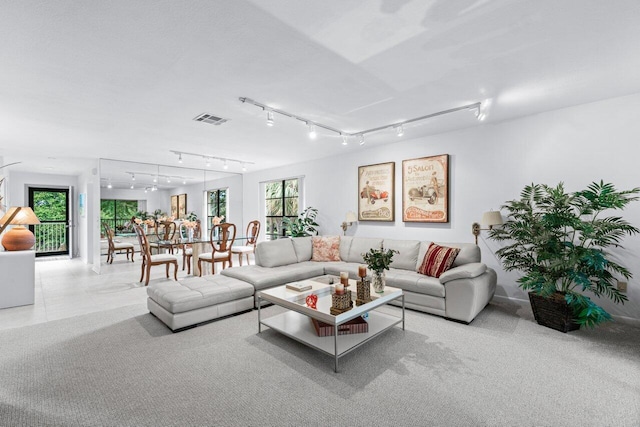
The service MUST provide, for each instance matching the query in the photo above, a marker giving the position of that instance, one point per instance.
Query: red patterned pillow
(437, 260)
(326, 248)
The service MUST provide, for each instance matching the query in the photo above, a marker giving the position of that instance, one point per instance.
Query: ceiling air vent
(208, 118)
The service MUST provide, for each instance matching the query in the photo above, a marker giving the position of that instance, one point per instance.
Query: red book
(353, 326)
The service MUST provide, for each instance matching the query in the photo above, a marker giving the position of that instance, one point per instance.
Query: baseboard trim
(621, 319)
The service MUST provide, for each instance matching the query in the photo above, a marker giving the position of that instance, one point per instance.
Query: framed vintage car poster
(376, 192)
(182, 205)
(174, 206)
(425, 189)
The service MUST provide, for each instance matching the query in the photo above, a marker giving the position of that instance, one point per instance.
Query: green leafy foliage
(559, 241)
(379, 260)
(304, 225)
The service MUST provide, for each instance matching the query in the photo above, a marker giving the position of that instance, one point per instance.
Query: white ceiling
(124, 79)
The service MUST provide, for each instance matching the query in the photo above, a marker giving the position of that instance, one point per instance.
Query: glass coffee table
(297, 323)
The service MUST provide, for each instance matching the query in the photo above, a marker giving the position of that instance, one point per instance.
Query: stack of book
(353, 326)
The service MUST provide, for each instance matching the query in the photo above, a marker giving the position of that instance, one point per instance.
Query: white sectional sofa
(458, 294)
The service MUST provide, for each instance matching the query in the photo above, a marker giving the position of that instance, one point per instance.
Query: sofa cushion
(302, 246)
(407, 255)
(274, 253)
(326, 248)
(437, 260)
(345, 245)
(361, 245)
(414, 282)
(198, 292)
(267, 277)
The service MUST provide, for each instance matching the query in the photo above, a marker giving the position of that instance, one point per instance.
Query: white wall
(489, 164)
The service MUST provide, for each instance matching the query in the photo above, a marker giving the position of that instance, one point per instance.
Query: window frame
(283, 197)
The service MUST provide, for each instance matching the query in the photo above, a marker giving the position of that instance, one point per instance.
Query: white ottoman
(195, 300)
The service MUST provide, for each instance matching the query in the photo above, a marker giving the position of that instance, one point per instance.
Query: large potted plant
(378, 260)
(561, 242)
(304, 225)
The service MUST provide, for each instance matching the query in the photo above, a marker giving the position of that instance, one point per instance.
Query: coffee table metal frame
(295, 322)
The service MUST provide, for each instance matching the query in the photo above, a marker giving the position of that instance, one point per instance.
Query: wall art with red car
(425, 189)
(376, 192)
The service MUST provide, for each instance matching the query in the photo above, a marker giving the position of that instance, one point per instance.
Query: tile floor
(66, 288)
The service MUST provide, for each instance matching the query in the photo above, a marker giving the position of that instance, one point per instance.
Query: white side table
(17, 278)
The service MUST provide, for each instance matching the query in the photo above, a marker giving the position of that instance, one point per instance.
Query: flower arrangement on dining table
(217, 220)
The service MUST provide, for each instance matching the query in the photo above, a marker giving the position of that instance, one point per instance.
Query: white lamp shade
(491, 218)
(351, 217)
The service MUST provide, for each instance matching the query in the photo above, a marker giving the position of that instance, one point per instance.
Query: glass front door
(51, 207)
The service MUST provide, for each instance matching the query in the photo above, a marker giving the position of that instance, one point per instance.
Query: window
(281, 200)
(117, 213)
(216, 205)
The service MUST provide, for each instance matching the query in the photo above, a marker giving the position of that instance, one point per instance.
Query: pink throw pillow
(326, 248)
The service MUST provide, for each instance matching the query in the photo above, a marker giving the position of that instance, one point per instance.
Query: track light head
(225, 166)
(208, 162)
(109, 186)
(361, 139)
(133, 177)
(312, 131)
(179, 157)
(400, 130)
(269, 118)
(244, 167)
(344, 140)
(131, 187)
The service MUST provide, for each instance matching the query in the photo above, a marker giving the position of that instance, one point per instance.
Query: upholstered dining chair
(221, 238)
(149, 260)
(165, 230)
(253, 229)
(114, 245)
(187, 249)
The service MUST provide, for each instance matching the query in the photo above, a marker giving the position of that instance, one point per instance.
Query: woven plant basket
(553, 312)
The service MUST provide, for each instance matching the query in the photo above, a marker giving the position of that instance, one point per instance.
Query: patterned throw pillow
(326, 248)
(437, 260)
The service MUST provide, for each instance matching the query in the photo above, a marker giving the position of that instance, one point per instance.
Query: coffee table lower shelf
(300, 328)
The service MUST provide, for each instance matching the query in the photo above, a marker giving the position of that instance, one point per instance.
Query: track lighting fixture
(109, 186)
(344, 140)
(180, 158)
(269, 118)
(312, 131)
(398, 126)
(131, 187)
(154, 188)
(208, 159)
(244, 167)
(133, 177)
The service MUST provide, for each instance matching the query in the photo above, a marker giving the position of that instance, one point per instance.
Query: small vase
(378, 282)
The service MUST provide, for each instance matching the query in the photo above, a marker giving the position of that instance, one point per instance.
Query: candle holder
(341, 303)
(363, 291)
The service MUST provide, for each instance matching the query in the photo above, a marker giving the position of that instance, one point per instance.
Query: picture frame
(174, 206)
(376, 192)
(182, 205)
(425, 189)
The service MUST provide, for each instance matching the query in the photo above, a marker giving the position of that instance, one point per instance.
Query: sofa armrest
(465, 297)
(466, 271)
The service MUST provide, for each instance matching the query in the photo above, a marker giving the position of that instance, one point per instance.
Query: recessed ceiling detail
(209, 118)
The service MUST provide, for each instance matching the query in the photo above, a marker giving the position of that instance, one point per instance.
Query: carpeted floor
(123, 367)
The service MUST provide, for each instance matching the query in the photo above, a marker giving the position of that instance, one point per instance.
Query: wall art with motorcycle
(376, 184)
(425, 189)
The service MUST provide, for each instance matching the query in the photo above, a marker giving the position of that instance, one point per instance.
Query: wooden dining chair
(164, 231)
(253, 229)
(149, 260)
(221, 238)
(114, 245)
(187, 249)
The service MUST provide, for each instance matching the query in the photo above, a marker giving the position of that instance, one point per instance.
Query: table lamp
(19, 238)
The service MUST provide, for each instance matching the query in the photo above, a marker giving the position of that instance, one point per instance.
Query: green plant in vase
(561, 242)
(378, 260)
